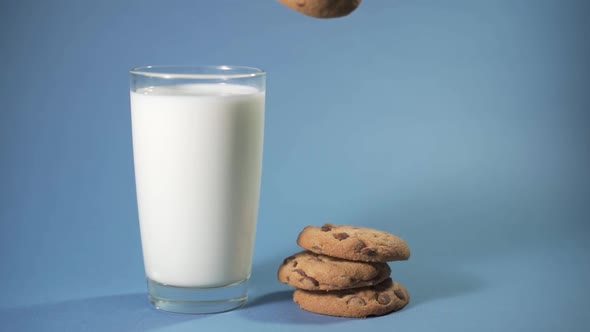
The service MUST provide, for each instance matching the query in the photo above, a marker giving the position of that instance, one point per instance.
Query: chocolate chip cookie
(322, 8)
(311, 271)
(377, 300)
(354, 243)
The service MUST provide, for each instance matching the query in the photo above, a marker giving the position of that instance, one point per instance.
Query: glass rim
(216, 71)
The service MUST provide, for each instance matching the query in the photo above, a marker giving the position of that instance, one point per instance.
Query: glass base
(197, 300)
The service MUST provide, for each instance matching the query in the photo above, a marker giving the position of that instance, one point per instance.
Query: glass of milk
(197, 147)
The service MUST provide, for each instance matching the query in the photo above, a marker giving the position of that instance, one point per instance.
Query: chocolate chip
(316, 248)
(341, 236)
(313, 281)
(355, 300)
(359, 245)
(369, 252)
(326, 228)
(306, 277)
(295, 263)
(300, 272)
(383, 298)
(400, 294)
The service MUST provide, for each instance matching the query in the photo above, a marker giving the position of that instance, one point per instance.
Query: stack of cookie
(343, 271)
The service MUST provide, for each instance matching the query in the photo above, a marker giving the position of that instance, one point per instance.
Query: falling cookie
(322, 8)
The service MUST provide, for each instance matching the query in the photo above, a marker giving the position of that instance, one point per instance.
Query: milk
(197, 153)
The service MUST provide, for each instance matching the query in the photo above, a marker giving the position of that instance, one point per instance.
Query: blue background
(460, 125)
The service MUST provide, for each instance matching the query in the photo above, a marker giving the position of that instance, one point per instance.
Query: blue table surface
(460, 125)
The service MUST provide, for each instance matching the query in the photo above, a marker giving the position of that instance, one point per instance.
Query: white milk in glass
(197, 152)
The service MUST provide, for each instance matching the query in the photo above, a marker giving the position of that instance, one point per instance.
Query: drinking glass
(197, 150)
